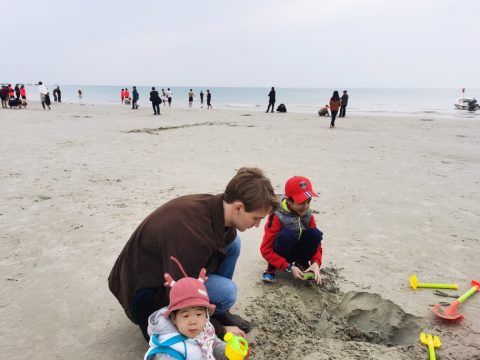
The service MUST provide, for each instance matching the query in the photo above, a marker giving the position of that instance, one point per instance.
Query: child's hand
(297, 273)
(315, 269)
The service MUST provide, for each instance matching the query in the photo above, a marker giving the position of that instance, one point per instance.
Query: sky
(296, 43)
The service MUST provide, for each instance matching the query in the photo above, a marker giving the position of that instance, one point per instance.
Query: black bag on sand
(281, 108)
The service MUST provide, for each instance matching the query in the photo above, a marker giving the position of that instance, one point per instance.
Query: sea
(303, 100)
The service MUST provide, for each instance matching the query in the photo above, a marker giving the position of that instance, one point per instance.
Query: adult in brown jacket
(200, 231)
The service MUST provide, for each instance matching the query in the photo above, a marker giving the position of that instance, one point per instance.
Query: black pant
(297, 250)
(334, 115)
(342, 111)
(272, 104)
(134, 104)
(156, 108)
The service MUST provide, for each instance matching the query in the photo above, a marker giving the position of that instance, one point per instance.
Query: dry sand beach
(398, 195)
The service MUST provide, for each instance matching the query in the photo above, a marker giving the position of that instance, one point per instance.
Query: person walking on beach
(164, 97)
(271, 100)
(201, 232)
(292, 241)
(209, 99)
(201, 98)
(169, 97)
(334, 106)
(135, 97)
(43, 95)
(156, 101)
(343, 104)
(190, 98)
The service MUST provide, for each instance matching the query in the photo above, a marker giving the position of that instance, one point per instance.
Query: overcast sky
(296, 43)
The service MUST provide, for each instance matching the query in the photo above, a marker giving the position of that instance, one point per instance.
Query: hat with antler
(187, 292)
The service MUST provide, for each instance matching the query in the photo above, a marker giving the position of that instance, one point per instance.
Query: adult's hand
(235, 330)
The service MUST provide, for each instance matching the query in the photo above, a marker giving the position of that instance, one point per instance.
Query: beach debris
(444, 294)
(451, 312)
(415, 284)
(432, 342)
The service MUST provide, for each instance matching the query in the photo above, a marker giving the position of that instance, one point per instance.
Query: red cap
(187, 292)
(299, 188)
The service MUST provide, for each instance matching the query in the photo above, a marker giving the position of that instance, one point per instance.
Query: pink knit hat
(187, 292)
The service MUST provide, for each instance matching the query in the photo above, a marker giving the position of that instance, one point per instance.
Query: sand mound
(296, 321)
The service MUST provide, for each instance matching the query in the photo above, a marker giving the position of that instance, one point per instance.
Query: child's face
(190, 321)
(299, 209)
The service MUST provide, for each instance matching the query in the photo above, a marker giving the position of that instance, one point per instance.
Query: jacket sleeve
(272, 227)
(219, 349)
(317, 257)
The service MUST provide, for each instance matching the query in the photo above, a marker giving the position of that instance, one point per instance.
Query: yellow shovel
(415, 284)
(432, 342)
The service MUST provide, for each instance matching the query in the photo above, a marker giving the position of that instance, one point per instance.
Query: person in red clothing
(122, 95)
(292, 241)
(126, 96)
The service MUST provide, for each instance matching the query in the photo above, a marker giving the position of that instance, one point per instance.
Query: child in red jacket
(292, 241)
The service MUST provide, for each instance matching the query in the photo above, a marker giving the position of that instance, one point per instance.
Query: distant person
(209, 99)
(135, 97)
(323, 111)
(126, 96)
(23, 94)
(17, 91)
(271, 100)
(343, 104)
(190, 98)
(122, 95)
(201, 98)
(169, 97)
(4, 96)
(156, 101)
(57, 94)
(334, 106)
(11, 92)
(164, 97)
(80, 95)
(43, 95)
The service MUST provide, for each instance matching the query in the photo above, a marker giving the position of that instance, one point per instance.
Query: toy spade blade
(451, 312)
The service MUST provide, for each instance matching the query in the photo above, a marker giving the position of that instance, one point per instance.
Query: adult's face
(244, 220)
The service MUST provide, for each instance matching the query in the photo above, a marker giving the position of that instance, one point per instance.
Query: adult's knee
(222, 292)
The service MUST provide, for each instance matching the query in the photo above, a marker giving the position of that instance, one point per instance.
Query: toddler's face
(299, 209)
(190, 321)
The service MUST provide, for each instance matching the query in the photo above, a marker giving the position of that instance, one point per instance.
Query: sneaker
(229, 319)
(269, 277)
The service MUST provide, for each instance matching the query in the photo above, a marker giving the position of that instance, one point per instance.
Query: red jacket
(272, 227)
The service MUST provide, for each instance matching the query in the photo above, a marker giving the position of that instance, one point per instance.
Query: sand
(398, 195)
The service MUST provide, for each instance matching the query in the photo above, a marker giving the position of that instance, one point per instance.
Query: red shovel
(451, 312)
